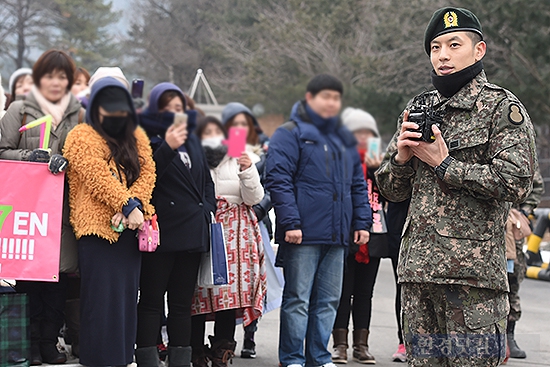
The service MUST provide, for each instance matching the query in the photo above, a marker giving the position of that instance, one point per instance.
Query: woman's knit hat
(356, 119)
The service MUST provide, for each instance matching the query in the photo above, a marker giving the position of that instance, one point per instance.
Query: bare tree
(24, 21)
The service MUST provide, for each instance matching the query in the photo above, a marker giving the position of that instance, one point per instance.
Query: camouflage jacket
(533, 200)
(454, 233)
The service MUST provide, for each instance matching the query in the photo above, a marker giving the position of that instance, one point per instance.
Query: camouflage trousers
(453, 325)
(514, 280)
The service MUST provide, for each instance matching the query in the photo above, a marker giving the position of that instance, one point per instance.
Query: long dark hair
(124, 149)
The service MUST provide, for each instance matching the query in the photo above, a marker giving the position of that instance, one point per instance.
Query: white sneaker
(329, 365)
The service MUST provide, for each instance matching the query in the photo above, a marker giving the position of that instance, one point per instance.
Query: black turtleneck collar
(449, 85)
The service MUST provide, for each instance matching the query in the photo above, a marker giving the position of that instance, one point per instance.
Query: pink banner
(31, 203)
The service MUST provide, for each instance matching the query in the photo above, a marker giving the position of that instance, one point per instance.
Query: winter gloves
(56, 163)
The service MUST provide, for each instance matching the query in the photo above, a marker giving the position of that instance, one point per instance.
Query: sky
(124, 6)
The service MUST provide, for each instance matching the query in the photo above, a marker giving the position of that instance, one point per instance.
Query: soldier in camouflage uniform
(462, 181)
(520, 266)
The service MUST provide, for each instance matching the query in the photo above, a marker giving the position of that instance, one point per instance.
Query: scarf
(323, 124)
(157, 123)
(214, 156)
(449, 85)
(57, 110)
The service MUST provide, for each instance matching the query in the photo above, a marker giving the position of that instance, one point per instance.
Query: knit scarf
(57, 110)
(214, 156)
(157, 123)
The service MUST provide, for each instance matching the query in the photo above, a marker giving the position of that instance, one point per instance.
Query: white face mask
(214, 142)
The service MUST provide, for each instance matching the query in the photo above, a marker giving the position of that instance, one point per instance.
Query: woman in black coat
(183, 198)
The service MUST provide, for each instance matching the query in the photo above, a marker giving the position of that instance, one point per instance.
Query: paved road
(533, 331)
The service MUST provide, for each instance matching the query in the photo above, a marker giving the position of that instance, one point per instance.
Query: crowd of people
(435, 204)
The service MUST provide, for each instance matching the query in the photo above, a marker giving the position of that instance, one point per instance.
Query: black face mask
(114, 126)
(449, 85)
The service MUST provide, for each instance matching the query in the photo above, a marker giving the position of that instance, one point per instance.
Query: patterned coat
(237, 192)
(454, 233)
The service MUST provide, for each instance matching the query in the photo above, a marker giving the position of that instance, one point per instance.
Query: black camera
(425, 117)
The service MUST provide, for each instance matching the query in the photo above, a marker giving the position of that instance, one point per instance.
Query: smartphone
(137, 88)
(236, 144)
(179, 119)
(373, 145)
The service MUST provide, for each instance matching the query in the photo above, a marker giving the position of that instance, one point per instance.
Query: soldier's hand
(361, 237)
(432, 153)
(294, 236)
(404, 142)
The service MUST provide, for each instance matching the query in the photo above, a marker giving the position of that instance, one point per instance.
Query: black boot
(249, 346)
(533, 258)
(49, 333)
(515, 350)
(36, 358)
(179, 356)
(147, 357)
(72, 320)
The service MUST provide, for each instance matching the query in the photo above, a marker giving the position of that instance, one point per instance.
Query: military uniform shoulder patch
(515, 116)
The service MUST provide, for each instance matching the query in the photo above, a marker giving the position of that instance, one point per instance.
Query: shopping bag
(275, 279)
(214, 269)
(14, 325)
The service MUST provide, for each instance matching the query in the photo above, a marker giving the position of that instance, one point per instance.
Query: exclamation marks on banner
(24, 250)
(31, 249)
(4, 248)
(18, 249)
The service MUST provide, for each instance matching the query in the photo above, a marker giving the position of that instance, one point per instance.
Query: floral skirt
(245, 258)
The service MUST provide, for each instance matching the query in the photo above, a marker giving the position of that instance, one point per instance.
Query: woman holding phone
(238, 188)
(236, 114)
(184, 200)
(362, 262)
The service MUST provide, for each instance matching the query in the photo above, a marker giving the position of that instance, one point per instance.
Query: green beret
(447, 20)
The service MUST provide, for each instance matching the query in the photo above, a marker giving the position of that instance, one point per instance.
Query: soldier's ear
(479, 50)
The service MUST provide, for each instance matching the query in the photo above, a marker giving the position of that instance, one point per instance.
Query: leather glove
(57, 164)
(40, 156)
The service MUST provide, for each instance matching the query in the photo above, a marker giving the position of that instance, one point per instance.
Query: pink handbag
(149, 236)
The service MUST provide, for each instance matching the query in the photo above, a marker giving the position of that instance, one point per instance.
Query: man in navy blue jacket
(320, 198)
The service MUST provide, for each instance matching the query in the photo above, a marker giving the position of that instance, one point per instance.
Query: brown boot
(222, 352)
(361, 352)
(199, 357)
(340, 347)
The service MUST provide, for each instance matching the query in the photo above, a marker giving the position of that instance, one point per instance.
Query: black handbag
(378, 242)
